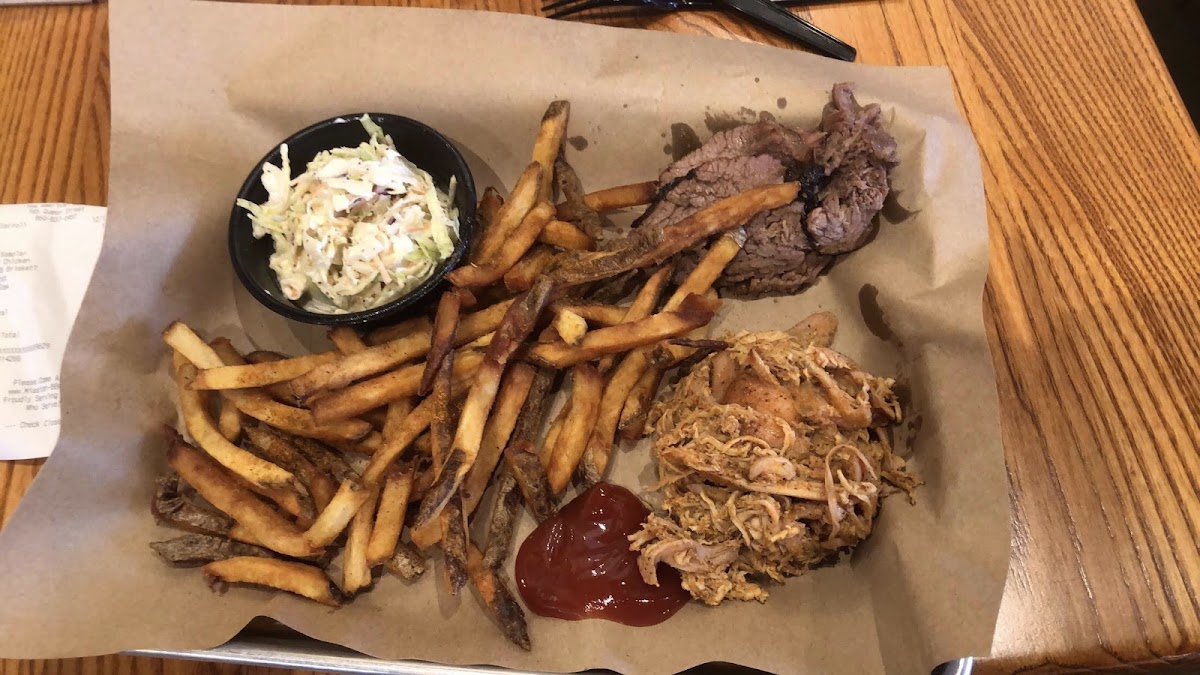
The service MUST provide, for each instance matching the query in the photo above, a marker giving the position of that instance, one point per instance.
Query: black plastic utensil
(767, 13)
(560, 8)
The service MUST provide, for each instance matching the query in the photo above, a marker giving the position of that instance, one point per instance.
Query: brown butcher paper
(200, 91)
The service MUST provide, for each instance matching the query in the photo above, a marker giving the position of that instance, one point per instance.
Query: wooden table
(1092, 170)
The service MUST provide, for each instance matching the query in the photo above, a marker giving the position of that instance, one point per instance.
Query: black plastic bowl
(420, 144)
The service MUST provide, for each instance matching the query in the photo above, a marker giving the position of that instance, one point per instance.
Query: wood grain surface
(1092, 170)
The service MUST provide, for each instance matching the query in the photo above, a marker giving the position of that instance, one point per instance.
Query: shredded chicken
(773, 456)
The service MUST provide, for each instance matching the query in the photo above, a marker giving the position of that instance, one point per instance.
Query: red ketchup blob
(577, 565)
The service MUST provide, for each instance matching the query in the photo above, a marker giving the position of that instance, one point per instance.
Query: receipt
(47, 252)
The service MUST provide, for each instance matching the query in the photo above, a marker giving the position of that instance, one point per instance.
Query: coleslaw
(359, 228)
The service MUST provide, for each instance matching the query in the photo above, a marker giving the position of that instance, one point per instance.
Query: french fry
(597, 315)
(498, 599)
(424, 444)
(441, 427)
(255, 470)
(649, 294)
(423, 482)
(323, 457)
(643, 304)
(398, 434)
(369, 444)
(411, 431)
(255, 403)
(338, 514)
(632, 421)
(621, 381)
(260, 374)
(404, 382)
(224, 491)
(403, 329)
(524, 195)
(551, 438)
(194, 550)
(695, 312)
(516, 242)
(531, 478)
(572, 208)
(621, 197)
(469, 300)
(172, 507)
(632, 424)
(708, 270)
(293, 577)
(396, 411)
(549, 143)
(520, 459)
(570, 326)
(503, 523)
(278, 449)
(514, 391)
(388, 355)
(180, 337)
(585, 472)
(406, 563)
(296, 421)
(367, 363)
(427, 535)
(445, 325)
(526, 270)
(614, 289)
(722, 216)
(292, 502)
(229, 420)
(485, 215)
(564, 235)
(281, 391)
(346, 340)
(356, 573)
(454, 544)
(586, 389)
(252, 402)
(492, 295)
(652, 246)
(389, 516)
(441, 432)
(239, 533)
(481, 342)
(625, 397)
(518, 323)
(377, 417)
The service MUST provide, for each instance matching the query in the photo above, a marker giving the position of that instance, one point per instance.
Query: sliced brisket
(843, 168)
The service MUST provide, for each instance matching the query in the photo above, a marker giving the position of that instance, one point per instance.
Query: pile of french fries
(298, 472)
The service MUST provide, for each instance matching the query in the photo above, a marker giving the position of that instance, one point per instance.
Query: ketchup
(577, 564)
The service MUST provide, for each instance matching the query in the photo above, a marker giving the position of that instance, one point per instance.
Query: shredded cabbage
(359, 228)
